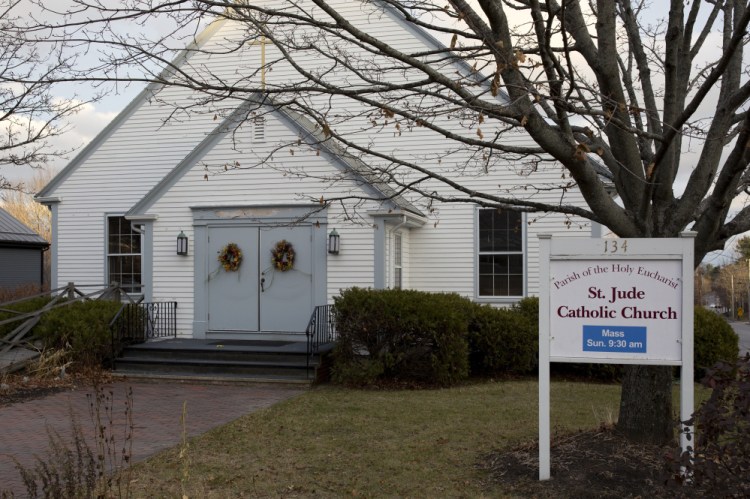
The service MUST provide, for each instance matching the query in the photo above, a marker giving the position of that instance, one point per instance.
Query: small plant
(67, 472)
(50, 364)
(73, 469)
(721, 460)
(113, 461)
(184, 455)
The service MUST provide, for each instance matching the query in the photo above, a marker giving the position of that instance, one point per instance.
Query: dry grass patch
(334, 442)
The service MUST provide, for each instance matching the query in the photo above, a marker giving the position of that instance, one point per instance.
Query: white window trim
(398, 260)
(524, 256)
(107, 254)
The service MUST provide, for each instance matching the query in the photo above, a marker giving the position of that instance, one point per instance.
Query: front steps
(274, 360)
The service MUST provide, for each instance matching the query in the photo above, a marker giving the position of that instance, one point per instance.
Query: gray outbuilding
(21, 253)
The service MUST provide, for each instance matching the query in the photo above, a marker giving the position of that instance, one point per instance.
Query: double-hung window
(124, 255)
(500, 255)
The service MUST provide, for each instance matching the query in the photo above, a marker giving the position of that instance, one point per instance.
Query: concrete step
(224, 378)
(215, 367)
(267, 359)
(218, 354)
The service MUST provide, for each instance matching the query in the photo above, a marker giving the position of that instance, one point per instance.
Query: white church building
(309, 215)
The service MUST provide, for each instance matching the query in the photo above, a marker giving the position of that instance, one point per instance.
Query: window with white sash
(500, 255)
(124, 255)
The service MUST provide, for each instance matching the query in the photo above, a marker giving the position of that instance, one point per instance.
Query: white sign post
(615, 301)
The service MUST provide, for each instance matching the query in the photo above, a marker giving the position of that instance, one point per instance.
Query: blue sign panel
(624, 339)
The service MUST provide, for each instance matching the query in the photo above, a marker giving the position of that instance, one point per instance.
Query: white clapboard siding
(439, 256)
(119, 172)
(256, 185)
(443, 253)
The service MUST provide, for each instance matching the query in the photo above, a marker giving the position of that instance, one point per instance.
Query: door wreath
(230, 257)
(283, 256)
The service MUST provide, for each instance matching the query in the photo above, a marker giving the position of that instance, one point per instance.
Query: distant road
(743, 331)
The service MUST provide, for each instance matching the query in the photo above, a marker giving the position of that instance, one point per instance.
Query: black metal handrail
(142, 321)
(321, 330)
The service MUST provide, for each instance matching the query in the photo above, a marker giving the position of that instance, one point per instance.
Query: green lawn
(336, 442)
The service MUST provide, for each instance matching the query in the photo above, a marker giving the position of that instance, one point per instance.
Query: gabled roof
(357, 167)
(369, 180)
(13, 232)
(44, 195)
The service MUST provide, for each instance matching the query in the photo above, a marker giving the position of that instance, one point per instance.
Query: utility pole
(731, 310)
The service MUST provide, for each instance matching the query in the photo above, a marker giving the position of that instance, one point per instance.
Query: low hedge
(438, 338)
(529, 308)
(502, 341)
(400, 335)
(714, 340)
(82, 328)
(435, 338)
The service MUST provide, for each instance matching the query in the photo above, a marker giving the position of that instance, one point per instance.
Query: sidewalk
(157, 408)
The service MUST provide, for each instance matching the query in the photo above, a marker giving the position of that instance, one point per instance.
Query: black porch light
(334, 240)
(182, 244)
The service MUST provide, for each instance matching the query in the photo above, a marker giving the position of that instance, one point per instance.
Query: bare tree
(30, 114)
(742, 248)
(731, 284)
(21, 205)
(645, 115)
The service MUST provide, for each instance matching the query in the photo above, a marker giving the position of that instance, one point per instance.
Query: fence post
(71, 290)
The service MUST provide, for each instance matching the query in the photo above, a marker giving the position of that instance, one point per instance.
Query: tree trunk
(646, 404)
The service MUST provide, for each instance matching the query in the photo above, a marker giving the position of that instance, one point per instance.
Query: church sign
(615, 301)
(611, 310)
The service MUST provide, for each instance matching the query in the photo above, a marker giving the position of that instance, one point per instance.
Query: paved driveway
(157, 408)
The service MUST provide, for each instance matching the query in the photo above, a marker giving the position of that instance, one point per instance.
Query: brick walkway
(157, 408)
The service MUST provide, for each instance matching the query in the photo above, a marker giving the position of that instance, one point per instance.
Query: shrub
(720, 463)
(22, 307)
(502, 340)
(714, 341)
(356, 370)
(406, 335)
(529, 308)
(82, 327)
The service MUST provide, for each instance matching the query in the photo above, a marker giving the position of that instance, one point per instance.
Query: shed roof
(14, 232)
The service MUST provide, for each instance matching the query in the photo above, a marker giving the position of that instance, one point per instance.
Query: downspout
(403, 222)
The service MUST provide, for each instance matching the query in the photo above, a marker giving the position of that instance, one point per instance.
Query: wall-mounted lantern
(334, 240)
(182, 244)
